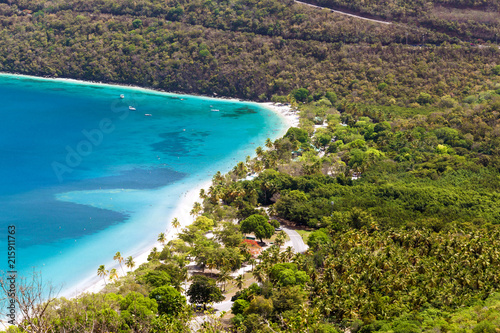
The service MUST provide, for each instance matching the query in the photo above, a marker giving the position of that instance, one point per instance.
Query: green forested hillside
(204, 51)
(393, 175)
(463, 20)
(404, 248)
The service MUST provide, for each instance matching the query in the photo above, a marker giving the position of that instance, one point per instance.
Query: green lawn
(304, 234)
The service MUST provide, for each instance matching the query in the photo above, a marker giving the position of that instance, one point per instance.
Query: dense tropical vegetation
(403, 233)
(392, 174)
(399, 249)
(462, 19)
(247, 49)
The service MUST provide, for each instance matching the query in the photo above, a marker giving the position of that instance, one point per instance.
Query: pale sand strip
(94, 284)
(291, 118)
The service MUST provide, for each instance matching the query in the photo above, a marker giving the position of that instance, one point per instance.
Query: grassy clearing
(231, 288)
(304, 234)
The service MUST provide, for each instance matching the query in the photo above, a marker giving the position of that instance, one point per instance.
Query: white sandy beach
(291, 118)
(94, 284)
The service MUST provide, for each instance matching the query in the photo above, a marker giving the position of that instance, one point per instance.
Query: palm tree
(203, 195)
(154, 254)
(240, 169)
(119, 258)
(180, 260)
(102, 272)
(264, 256)
(162, 238)
(196, 209)
(269, 143)
(129, 262)
(259, 273)
(112, 274)
(252, 262)
(175, 223)
(280, 238)
(218, 178)
(211, 263)
(271, 160)
(257, 167)
(224, 277)
(278, 144)
(274, 254)
(259, 151)
(288, 254)
(215, 193)
(240, 279)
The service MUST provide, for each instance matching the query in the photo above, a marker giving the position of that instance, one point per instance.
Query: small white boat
(215, 110)
(148, 114)
(122, 96)
(131, 108)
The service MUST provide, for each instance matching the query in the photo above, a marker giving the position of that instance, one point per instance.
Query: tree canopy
(259, 225)
(169, 300)
(203, 290)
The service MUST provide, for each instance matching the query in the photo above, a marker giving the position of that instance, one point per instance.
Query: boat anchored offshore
(122, 96)
(131, 108)
(215, 110)
(148, 114)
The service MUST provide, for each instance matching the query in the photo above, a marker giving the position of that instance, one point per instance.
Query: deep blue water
(82, 176)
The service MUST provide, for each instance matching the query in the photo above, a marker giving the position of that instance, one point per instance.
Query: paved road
(344, 13)
(296, 240)
(223, 306)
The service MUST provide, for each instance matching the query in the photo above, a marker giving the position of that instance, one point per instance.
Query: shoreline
(182, 212)
(94, 284)
(283, 111)
(130, 86)
(289, 117)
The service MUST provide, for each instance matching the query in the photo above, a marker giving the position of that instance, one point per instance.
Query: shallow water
(83, 177)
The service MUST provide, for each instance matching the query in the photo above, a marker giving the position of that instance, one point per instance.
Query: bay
(85, 173)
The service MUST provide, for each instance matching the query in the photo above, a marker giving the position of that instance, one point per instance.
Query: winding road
(296, 241)
(344, 13)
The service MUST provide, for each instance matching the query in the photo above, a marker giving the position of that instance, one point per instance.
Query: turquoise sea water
(82, 176)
